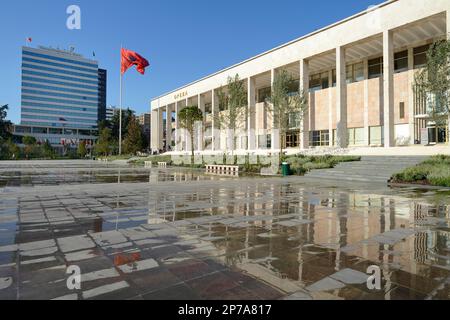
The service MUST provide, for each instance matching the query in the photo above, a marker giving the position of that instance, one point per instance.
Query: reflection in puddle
(304, 240)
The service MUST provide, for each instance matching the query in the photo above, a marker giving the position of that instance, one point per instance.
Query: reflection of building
(63, 95)
(359, 73)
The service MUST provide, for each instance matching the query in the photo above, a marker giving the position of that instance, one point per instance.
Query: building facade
(63, 95)
(145, 122)
(359, 75)
(102, 83)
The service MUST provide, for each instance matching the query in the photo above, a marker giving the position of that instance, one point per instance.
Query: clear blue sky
(183, 40)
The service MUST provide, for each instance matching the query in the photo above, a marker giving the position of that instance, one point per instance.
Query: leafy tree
(234, 103)
(187, 119)
(104, 124)
(287, 104)
(115, 122)
(433, 82)
(30, 146)
(9, 150)
(102, 147)
(5, 125)
(133, 139)
(82, 151)
(47, 150)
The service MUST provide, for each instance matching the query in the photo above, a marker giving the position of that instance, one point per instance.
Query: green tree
(9, 150)
(187, 119)
(433, 82)
(30, 146)
(5, 125)
(48, 151)
(233, 106)
(102, 147)
(133, 139)
(127, 115)
(288, 104)
(82, 151)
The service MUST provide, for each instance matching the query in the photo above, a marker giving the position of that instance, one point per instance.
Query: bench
(222, 170)
(162, 164)
(148, 164)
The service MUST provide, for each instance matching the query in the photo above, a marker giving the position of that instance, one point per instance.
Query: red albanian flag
(131, 58)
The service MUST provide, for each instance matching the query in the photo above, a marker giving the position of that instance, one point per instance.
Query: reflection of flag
(130, 58)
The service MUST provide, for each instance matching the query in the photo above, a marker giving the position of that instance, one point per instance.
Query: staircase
(373, 169)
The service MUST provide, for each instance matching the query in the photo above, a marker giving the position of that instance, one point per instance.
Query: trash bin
(285, 169)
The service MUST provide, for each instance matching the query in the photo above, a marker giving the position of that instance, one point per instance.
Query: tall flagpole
(120, 104)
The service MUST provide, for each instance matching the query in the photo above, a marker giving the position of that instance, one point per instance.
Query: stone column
(161, 127)
(215, 132)
(411, 114)
(341, 99)
(388, 88)
(177, 128)
(201, 106)
(168, 127)
(155, 128)
(304, 86)
(366, 103)
(275, 136)
(251, 117)
(186, 137)
(330, 107)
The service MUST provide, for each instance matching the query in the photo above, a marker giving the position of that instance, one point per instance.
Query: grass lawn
(300, 164)
(434, 171)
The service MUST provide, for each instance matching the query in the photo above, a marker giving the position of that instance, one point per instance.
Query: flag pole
(120, 104)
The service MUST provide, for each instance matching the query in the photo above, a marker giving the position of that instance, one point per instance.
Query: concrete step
(369, 169)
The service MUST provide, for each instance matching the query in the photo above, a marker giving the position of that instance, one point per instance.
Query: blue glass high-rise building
(60, 89)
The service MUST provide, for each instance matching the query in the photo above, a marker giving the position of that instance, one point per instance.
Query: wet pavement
(139, 233)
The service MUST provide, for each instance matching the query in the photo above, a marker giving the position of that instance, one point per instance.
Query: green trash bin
(285, 169)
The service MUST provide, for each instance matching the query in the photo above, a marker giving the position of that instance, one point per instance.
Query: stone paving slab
(246, 238)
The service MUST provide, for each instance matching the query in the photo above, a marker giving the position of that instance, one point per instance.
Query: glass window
(420, 56)
(355, 136)
(33, 54)
(401, 61)
(349, 73)
(334, 77)
(358, 70)
(375, 68)
(319, 138)
(264, 94)
(325, 80)
(402, 110)
(315, 82)
(208, 108)
(376, 135)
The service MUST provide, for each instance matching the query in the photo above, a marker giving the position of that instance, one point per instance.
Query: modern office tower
(102, 84)
(62, 93)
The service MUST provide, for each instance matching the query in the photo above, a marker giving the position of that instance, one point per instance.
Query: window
(376, 135)
(294, 120)
(264, 94)
(402, 110)
(420, 56)
(292, 139)
(375, 68)
(265, 141)
(319, 138)
(315, 82)
(401, 61)
(319, 81)
(208, 108)
(294, 87)
(334, 77)
(355, 136)
(355, 72)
